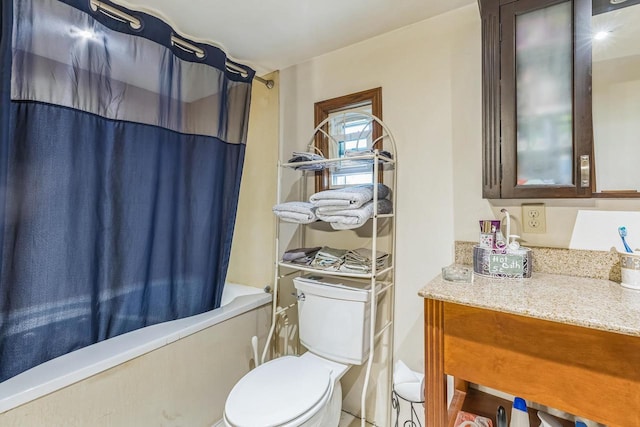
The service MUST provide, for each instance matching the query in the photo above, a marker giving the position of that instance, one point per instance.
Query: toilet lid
(277, 392)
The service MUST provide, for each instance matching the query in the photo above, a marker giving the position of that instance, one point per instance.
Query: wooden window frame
(322, 110)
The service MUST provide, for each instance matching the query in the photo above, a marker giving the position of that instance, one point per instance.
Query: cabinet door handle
(585, 171)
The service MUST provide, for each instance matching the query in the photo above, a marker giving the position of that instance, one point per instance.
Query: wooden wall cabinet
(537, 128)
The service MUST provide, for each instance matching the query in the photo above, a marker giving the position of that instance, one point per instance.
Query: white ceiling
(623, 34)
(274, 34)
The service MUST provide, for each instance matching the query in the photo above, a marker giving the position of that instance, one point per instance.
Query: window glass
(350, 130)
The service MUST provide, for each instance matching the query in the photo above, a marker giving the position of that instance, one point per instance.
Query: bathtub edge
(81, 364)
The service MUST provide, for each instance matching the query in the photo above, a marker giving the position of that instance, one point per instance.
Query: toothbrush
(623, 233)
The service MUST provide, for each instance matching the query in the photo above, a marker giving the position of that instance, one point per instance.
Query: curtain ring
(113, 13)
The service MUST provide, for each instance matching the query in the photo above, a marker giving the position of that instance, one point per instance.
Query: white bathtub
(86, 362)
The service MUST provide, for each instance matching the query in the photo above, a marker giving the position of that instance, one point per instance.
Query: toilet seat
(285, 391)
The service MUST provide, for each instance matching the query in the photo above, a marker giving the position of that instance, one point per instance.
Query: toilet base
(329, 416)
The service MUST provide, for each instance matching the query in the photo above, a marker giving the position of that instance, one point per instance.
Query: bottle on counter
(519, 414)
(501, 417)
(547, 420)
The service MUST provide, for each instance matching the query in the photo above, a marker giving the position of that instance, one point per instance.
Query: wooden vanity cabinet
(579, 370)
(536, 98)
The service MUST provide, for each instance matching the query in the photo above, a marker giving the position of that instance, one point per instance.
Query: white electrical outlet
(534, 219)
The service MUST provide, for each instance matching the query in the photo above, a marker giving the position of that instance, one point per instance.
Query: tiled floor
(347, 420)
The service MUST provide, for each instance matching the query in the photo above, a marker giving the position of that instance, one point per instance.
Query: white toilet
(305, 391)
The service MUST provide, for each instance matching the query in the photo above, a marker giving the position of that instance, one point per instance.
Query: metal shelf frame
(388, 273)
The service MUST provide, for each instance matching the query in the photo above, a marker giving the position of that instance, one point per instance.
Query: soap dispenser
(519, 414)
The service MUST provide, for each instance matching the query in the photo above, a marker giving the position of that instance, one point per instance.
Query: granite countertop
(592, 303)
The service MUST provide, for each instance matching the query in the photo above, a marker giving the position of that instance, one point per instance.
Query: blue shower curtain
(120, 164)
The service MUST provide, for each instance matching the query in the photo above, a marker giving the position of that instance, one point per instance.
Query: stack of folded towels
(350, 207)
(349, 261)
(355, 153)
(298, 212)
(360, 261)
(344, 208)
(298, 157)
(329, 258)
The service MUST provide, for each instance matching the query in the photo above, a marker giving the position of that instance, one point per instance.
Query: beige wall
(252, 250)
(427, 86)
(430, 97)
(430, 74)
(182, 384)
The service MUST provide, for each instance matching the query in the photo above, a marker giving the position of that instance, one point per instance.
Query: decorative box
(500, 264)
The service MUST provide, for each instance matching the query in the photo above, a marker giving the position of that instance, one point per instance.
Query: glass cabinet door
(544, 84)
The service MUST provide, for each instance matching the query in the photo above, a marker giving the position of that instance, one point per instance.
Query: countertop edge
(550, 297)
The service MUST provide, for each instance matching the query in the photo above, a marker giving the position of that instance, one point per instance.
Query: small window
(352, 131)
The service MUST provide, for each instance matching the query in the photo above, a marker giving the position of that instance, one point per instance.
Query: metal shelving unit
(382, 280)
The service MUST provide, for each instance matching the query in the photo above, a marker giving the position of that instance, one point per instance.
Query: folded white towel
(360, 260)
(346, 219)
(329, 258)
(300, 254)
(298, 212)
(348, 197)
(365, 255)
(354, 268)
(307, 157)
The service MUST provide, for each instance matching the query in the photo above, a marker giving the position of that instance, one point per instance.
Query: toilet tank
(334, 316)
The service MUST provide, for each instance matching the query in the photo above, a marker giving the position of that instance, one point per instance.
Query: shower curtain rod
(268, 83)
(134, 23)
